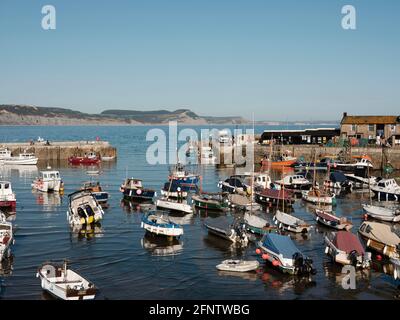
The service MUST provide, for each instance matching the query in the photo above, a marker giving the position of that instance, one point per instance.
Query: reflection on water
(250, 276)
(87, 232)
(48, 200)
(25, 172)
(161, 246)
(6, 266)
(131, 206)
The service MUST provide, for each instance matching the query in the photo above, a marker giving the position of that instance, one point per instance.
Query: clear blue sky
(282, 60)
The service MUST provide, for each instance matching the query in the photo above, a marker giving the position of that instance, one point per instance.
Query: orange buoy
(258, 251)
(275, 263)
(264, 256)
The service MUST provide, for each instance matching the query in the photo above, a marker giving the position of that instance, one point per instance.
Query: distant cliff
(32, 115)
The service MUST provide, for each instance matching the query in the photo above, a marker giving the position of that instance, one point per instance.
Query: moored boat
(64, 283)
(317, 196)
(22, 159)
(294, 182)
(241, 202)
(160, 224)
(48, 181)
(211, 202)
(290, 223)
(338, 180)
(7, 196)
(83, 209)
(187, 181)
(238, 265)
(89, 159)
(232, 231)
(381, 238)
(345, 248)
(382, 213)
(256, 224)
(6, 236)
(328, 219)
(172, 189)
(282, 253)
(181, 205)
(276, 198)
(5, 153)
(386, 190)
(133, 190)
(97, 191)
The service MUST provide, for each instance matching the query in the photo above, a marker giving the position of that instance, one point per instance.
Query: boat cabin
(262, 180)
(388, 184)
(5, 189)
(5, 153)
(132, 183)
(52, 175)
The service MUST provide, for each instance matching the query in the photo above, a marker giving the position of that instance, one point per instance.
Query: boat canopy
(280, 244)
(133, 183)
(348, 242)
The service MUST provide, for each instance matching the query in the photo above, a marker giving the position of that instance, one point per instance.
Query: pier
(61, 150)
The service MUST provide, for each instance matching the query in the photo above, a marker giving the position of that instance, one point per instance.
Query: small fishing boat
(294, 182)
(6, 236)
(48, 181)
(387, 190)
(381, 238)
(235, 184)
(328, 219)
(361, 180)
(283, 160)
(238, 265)
(241, 202)
(7, 196)
(89, 159)
(5, 153)
(338, 180)
(22, 159)
(97, 191)
(263, 181)
(160, 224)
(172, 189)
(64, 283)
(187, 181)
(317, 196)
(232, 231)
(211, 201)
(290, 223)
(133, 190)
(256, 224)
(345, 248)
(174, 205)
(282, 253)
(382, 213)
(360, 162)
(83, 209)
(276, 198)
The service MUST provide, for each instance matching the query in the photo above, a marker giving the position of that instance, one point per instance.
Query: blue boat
(97, 191)
(187, 181)
(282, 253)
(160, 224)
(133, 190)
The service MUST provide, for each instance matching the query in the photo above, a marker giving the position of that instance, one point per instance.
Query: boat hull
(8, 204)
(17, 161)
(174, 206)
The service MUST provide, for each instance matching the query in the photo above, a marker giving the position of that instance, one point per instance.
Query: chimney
(344, 114)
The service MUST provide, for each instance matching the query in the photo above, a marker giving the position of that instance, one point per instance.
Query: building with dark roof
(306, 136)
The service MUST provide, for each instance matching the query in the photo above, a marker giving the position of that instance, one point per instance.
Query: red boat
(90, 159)
(272, 197)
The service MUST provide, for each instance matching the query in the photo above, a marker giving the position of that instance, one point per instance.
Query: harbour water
(126, 265)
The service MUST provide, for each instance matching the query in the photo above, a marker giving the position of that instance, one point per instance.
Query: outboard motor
(353, 258)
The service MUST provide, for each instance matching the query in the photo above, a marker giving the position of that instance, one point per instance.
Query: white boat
(7, 196)
(238, 265)
(5, 153)
(83, 209)
(387, 190)
(65, 283)
(382, 213)
(345, 248)
(318, 196)
(232, 231)
(160, 224)
(360, 181)
(288, 222)
(22, 159)
(48, 181)
(169, 204)
(294, 182)
(6, 236)
(361, 162)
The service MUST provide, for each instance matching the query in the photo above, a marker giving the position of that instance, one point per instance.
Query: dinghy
(6, 236)
(317, 196)
(282, 253)
(345, 248)
(64, 283)
(381, 238)
(83, 209)
(382, 213)
(160, 224)
(257, 224)
(330, 220)
(48, 181)
(238, 265)
(290, 223)
(234, 232)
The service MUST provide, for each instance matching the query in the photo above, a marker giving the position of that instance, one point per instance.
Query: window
(353, 127)
(371, 127)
